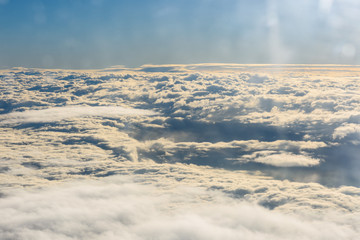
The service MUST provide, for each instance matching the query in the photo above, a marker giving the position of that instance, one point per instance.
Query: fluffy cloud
(284, 159)
(119, 208)
(192, 138)
(209, 113)
(345, 130)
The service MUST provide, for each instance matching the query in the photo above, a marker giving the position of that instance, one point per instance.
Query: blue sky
(102, 33)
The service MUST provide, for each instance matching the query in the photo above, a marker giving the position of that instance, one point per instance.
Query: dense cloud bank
(118, 208)
(226, 136)
(229, 116)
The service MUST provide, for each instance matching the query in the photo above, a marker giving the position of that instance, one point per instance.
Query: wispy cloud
(61, 113)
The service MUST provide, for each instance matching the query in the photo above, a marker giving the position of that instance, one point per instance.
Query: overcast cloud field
(205, 151)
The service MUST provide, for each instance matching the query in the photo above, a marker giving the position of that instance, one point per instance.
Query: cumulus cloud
(345, 130)
(61, 113)
(284, 159)
(119, 208)
(224, 137)
(211, 114)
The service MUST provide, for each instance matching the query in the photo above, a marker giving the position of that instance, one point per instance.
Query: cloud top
(60, 113)
(118, 208)
(234, 154)
(287, 160)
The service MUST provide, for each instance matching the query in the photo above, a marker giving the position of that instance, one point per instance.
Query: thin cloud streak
(60, 113)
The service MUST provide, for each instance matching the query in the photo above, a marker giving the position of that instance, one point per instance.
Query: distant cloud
(345, 130)
(60, 113)
(209, 114)
(159, 69)
(284, 159)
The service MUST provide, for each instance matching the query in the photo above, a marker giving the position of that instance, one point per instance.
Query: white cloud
(117, 208)
(209, 112)
(345, 130)
(284, 159)
(61, 113)
(222, 117)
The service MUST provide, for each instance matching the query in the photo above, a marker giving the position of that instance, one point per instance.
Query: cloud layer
(230, 116)
(61, 113)
(118, 208)
(273, 149)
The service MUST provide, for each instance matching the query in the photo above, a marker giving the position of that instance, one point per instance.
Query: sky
(102, 33)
